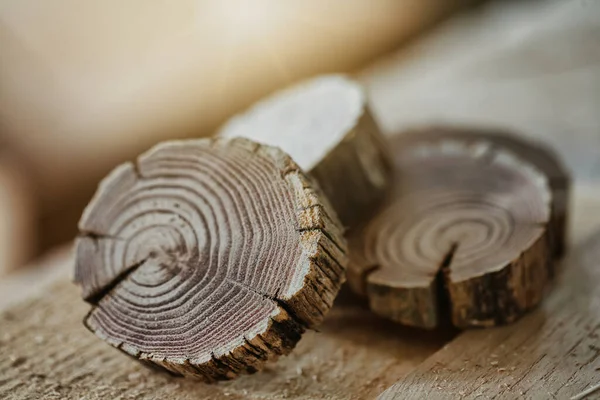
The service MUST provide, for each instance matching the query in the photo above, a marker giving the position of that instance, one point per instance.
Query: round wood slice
(464, 233)
(536, 153)
(327, 128)
(208, 257)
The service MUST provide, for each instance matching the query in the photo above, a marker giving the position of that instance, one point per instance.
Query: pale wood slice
(327, 128)
(536, 153)
(208, 257)
(464, 233)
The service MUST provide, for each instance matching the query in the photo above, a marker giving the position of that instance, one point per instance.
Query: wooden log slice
(327, 128)
(208, 257)
(536, 153)
(464, 234)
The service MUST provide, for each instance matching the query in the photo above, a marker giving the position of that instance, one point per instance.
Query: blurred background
(87, 85)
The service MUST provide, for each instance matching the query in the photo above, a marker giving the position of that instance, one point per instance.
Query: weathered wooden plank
(552, 353)
(45, 352)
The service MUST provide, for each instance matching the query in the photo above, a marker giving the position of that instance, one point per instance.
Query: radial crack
(123, 275)
(95, 236)
(274, 299)
(444, 302)
(447, 260)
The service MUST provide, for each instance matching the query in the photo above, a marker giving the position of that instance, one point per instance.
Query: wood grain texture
(208, 257)
(464, 232)
(535, 152)
(45, 352)
(554, 353)
(326, 127)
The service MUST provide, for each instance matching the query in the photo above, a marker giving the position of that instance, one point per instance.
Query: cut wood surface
(327, 128)
(46, 353)
(554, 353)
(465, 232)
(536, 153)
(208, 257)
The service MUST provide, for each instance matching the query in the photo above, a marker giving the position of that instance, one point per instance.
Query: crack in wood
(96, 236)
(122, 276)
(279, 302)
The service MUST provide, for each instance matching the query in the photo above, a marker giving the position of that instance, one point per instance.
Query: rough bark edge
(355, 175)
(501, 297)
(324, 248)
(323, 242)
(416, 307)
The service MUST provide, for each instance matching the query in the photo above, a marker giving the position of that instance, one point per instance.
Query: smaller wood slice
(535, 153)
(325, 125)
(465, 233)
(208, 257)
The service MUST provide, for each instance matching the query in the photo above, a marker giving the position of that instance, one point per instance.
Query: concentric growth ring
(465, 218)
(208, 257)
(536, 154)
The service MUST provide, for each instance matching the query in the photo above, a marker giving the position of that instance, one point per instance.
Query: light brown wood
(326, 127)
(536, 153)
(554, 353)
(208, 257)
(464, 233)
(18, 234)
(46, 353)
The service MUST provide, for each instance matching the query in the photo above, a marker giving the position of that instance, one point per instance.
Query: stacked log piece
(468, 233)
(325, 125)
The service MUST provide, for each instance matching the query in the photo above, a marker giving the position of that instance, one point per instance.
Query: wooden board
(45, 352)
(552, 353)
